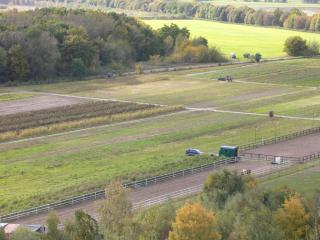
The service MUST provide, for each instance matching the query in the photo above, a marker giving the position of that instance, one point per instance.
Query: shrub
(313, 48)
(295, 46)
(246, 55)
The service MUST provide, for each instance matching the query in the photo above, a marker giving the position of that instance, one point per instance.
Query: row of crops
(41, 122)
(18, 121)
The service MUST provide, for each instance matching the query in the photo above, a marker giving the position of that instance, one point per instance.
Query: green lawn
(306, 182)
(239, 39)
(14, 96)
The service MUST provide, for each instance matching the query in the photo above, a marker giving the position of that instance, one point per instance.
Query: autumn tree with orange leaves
(293, 219)
(194, 222)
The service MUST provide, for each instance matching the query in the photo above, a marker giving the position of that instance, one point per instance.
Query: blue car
(193, 152)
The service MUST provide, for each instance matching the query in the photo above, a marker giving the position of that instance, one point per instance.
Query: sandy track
(297, 147)
(145, 193)
(37, 103)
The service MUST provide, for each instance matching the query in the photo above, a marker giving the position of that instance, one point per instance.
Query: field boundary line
(93, 98)
(94, 127)
(249, 113)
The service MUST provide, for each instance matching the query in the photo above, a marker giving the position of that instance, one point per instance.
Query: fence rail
(280, 138)
(101, 193)
(269, 157)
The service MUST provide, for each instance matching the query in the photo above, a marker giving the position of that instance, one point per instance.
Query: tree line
(230, 206)
(59, 42)
(290, 19)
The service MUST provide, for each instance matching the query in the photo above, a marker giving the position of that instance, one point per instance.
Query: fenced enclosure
(166, 177)
(269, 157)
(101, 193)
(279, 138)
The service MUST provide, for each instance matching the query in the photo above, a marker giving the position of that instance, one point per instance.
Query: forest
(290, 19)
(60, 43)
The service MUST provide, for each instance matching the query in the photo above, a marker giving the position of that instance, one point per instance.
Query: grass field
(62, 166)
(15, 96)
(42, 170)
(306, 182)
(239, 39)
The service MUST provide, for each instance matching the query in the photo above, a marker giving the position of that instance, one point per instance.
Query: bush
(313, 48)
(295, 46)
(246, 55)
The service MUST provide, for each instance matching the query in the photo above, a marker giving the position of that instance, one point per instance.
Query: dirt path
(94, 98)
(37, 103)
(161, 191)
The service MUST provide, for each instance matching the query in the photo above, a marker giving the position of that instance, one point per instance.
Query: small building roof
(10, 228)
(229, 147)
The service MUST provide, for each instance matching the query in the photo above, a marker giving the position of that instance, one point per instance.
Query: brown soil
(297, 147)
(36, 103)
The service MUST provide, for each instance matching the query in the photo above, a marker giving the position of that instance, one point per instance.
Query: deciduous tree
(292, 219)
(156, 222)
(194, 222)
(53, 233)
(115, 212)
(220, 186)
(17, 63)
(82, 227)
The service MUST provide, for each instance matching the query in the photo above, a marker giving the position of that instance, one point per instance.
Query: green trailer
(229, 151)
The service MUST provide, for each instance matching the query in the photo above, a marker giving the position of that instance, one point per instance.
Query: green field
(50, 168)
(16, 96)
(306, 182)
(239, 39)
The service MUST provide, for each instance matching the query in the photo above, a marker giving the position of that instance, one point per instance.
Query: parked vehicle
(229, 151)
(278, 160)
(193, 152)
(246, 171)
